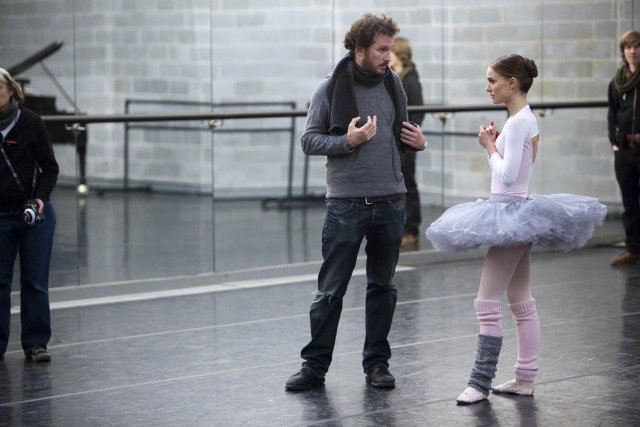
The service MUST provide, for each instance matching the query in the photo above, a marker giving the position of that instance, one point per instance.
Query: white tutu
(558, 221)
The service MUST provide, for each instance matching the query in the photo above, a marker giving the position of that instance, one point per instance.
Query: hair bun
(531, 67)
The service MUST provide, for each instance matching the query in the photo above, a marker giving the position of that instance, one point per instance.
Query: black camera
(30, 214)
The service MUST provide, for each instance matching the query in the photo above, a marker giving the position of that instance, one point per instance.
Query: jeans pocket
(337, 206)
(400, 204)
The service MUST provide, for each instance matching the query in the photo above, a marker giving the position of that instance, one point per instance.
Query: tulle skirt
(557, 221)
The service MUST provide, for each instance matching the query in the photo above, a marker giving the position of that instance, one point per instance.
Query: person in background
(403, 65)
(28, 173)
(358, 120)
(623, 120)
(509, 223)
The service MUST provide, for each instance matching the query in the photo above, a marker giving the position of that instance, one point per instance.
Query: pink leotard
(512, 165)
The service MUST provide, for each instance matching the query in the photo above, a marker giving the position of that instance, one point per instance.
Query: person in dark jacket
(28, 173)
(624, 135)
(403, 65)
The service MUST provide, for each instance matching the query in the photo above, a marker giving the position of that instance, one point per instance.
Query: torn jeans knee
(323, 297)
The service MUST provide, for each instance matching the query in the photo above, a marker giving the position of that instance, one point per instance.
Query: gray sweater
(372, 168)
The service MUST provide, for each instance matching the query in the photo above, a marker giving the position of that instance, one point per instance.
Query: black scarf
(623, 83)
(343, 100)
(8, 113)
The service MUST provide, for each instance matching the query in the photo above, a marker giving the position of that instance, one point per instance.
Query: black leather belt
(375, 199)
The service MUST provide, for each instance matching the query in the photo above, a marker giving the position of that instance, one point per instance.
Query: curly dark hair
(364, 30)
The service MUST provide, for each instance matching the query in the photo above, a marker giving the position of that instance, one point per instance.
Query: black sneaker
(38, 354)
(379, 376)
(303, 380)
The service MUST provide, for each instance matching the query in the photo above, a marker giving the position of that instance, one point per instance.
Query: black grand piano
(45, 105)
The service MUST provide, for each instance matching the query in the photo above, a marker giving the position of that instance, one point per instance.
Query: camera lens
(29, 216)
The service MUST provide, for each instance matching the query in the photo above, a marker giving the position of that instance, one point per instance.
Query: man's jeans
(34, 244)
(347, 223)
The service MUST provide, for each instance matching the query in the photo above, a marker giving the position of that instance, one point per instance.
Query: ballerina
(509, 223)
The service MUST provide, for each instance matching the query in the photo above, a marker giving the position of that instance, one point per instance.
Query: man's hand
(359, 135)
(412, 135)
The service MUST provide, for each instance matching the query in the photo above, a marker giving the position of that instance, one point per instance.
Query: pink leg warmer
(528, 331)
(489, 315)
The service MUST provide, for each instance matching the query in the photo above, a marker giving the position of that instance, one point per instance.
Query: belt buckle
(367, 202)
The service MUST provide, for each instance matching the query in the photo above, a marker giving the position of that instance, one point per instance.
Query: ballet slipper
(520, 388)
(471, 395)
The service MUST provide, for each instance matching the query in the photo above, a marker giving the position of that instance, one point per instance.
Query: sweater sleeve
(507, 167)
(315, 138)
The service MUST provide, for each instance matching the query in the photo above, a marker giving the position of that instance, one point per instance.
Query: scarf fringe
(623, 83)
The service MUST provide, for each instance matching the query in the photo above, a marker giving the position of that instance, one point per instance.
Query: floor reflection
(6, 395)
(628, 373)
(377, 406)
(25, 393)
(482, 414)
(317, 407)
(37, 388)
(138, 235)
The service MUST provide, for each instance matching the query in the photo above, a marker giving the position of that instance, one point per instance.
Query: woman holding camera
(28, 173)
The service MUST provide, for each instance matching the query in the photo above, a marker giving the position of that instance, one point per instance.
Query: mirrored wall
(165, 198)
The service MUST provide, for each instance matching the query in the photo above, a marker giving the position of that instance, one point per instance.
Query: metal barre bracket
(75, 128)
(214, 123)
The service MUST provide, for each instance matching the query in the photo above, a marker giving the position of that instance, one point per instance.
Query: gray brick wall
(278, 50)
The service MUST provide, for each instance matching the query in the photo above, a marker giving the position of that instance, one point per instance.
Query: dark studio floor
(154, 324)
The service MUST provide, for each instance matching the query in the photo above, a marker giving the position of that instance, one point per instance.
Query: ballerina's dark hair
(513, 65)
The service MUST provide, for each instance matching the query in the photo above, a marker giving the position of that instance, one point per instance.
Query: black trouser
(408, 163)
(347, 223)
(627, 168)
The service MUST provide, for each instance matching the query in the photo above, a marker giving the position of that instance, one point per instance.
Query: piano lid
(35, 58)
